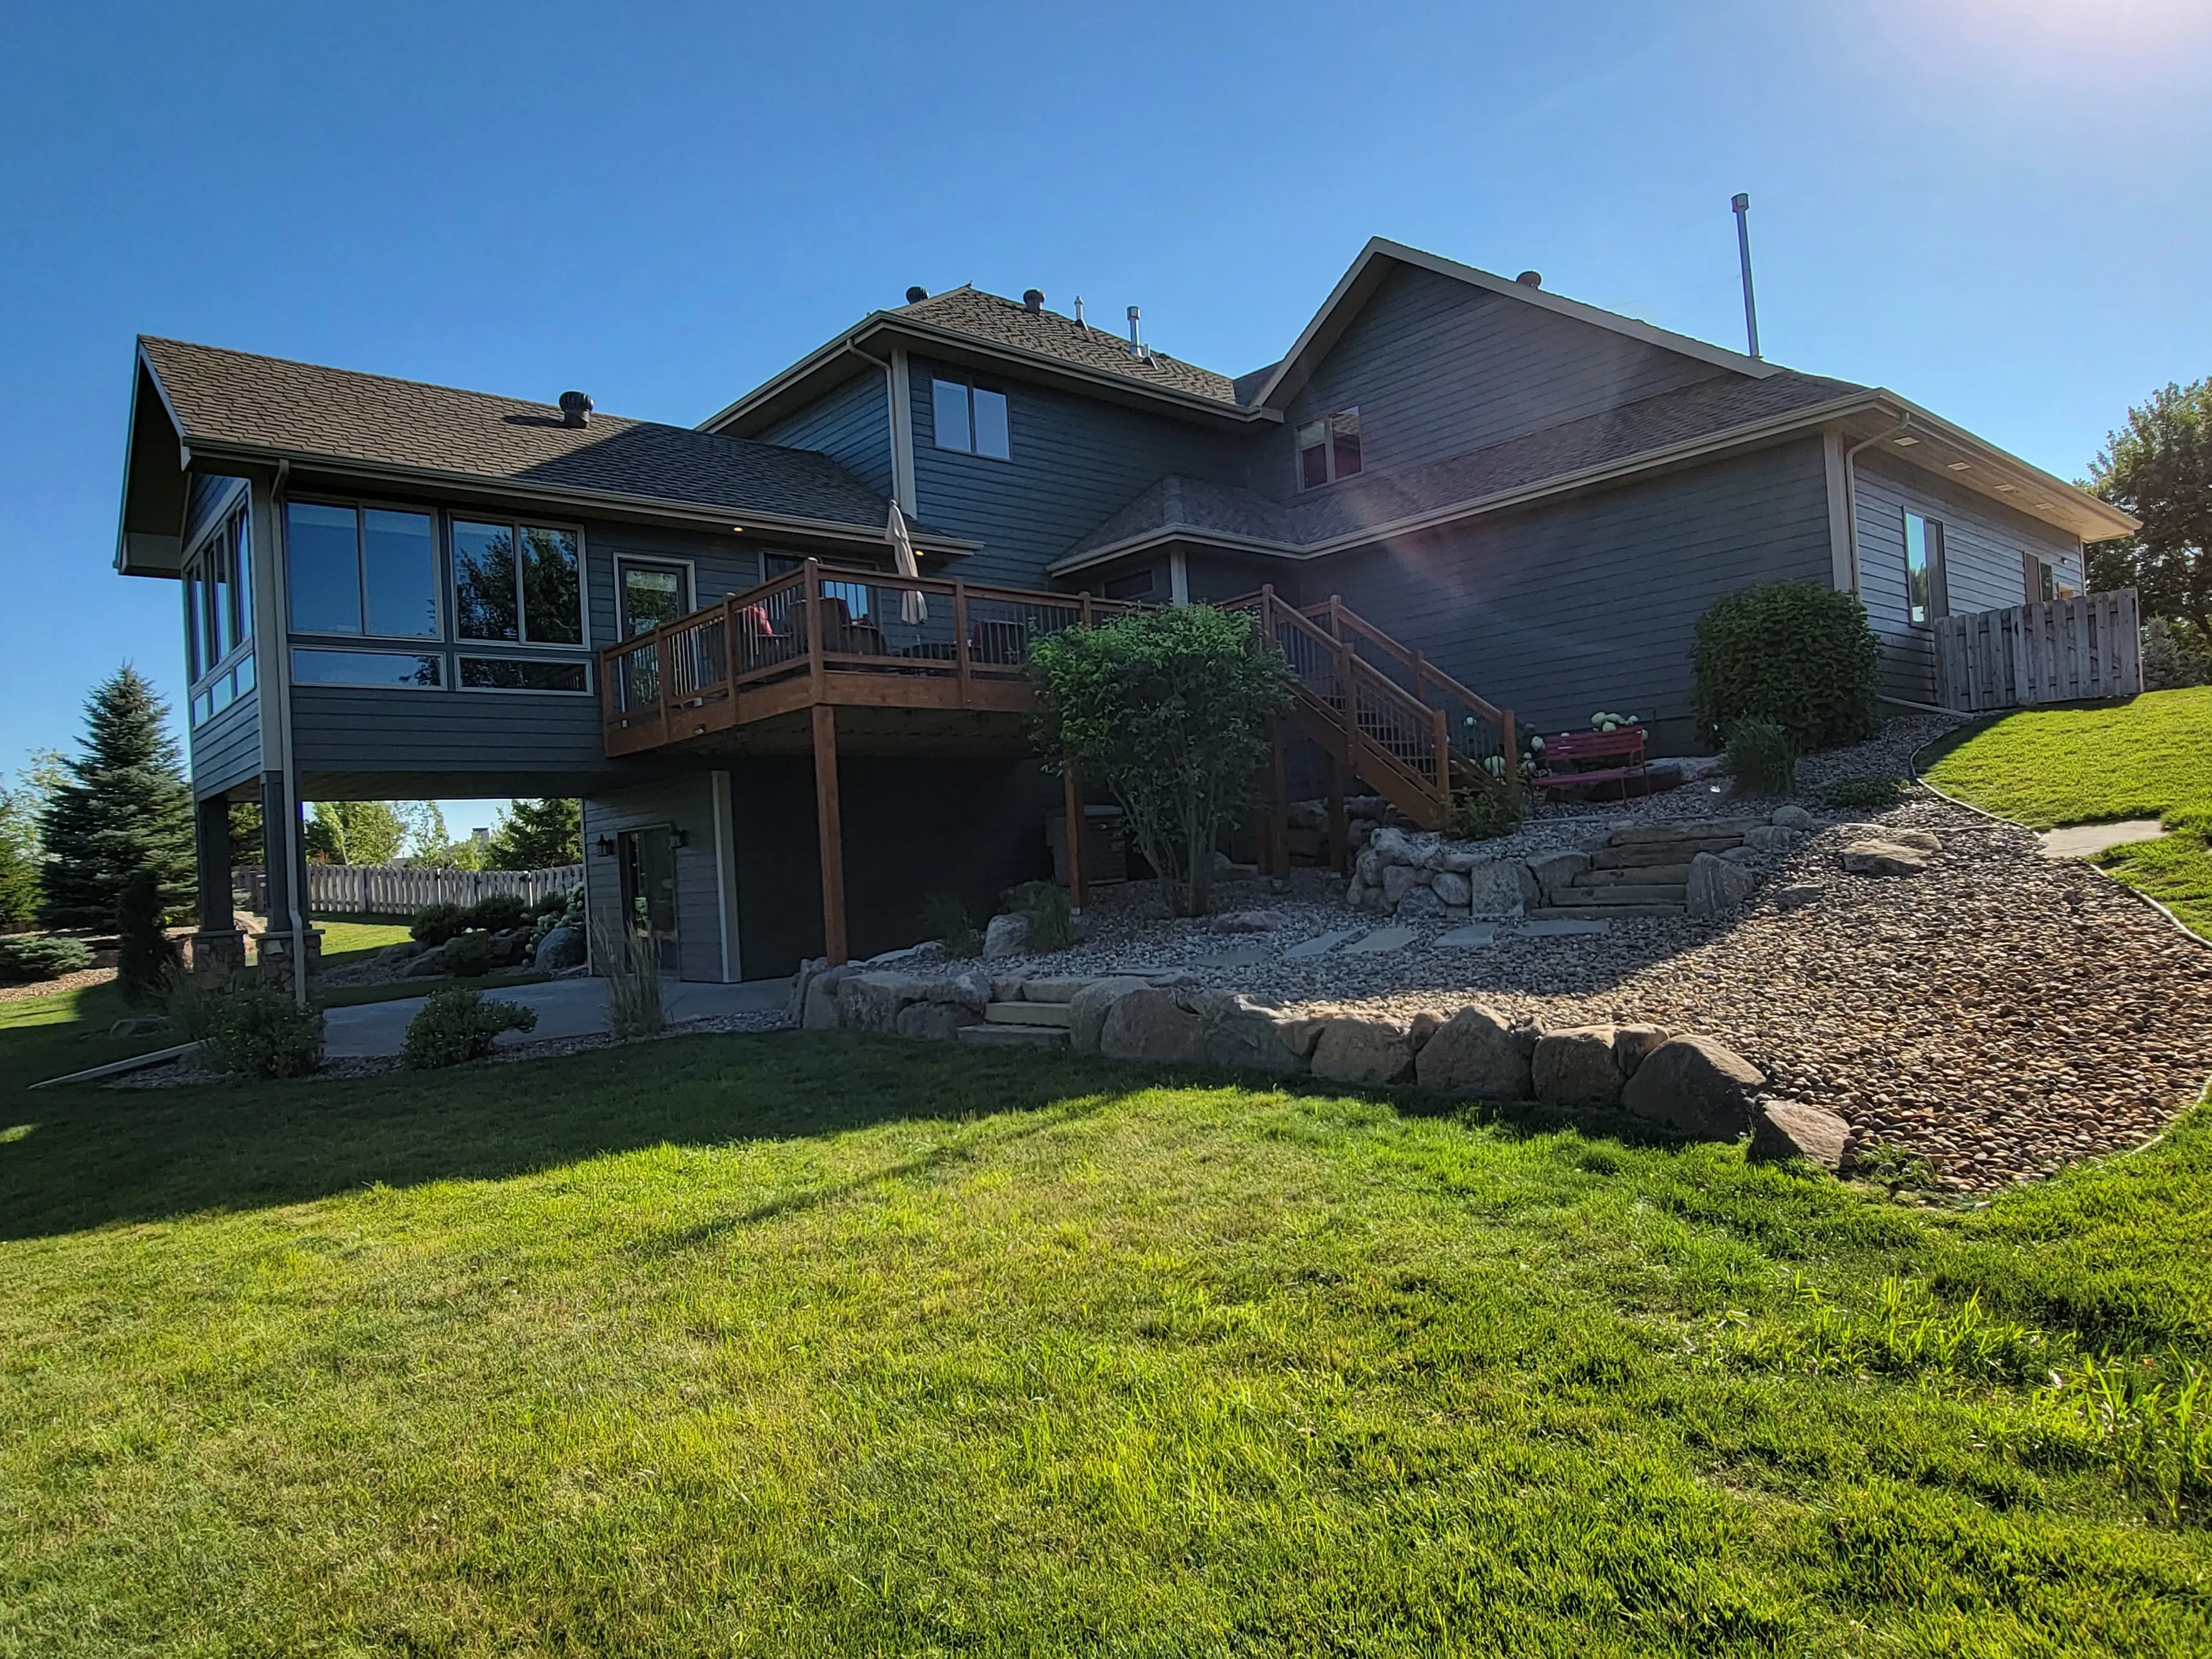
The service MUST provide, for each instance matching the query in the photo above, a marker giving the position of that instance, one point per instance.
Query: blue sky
(1996, 207)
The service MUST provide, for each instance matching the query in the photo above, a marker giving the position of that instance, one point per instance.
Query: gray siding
(1437, 369)
(720, 565)
(213, 496)
(1592, 603)
(226, 751)
(1075, 463)
(851, 424)
(1985, 552)
(475, 735)
(687, 803)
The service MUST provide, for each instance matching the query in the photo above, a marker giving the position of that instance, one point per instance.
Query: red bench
(1624, 745)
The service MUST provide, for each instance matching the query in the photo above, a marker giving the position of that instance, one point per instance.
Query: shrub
(40, 956)
(946, 919)
(466, 956)
(147, 953)
(257, 1031)
(456, 1025)
(495, 913)
(1795, 652)
(1482, 814)
(1043, 905)
(1762, 758)
(631, 963)
(1864, 794)
(552, 904)
(435, 924)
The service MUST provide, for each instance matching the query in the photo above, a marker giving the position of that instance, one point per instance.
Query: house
(1518, 504)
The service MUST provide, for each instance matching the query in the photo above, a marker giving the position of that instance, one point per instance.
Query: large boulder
(1576, 1067)
(938, 1022)
(1398, 880)
(1451, 889)
(1697, 1085)
(1088, 1008)
(1477, 1055)
(1773, 838)
(1248, 1036)
(1251, 921)
(1790, 817)
(1558, 870)
(1421, 904)
(821, 1011)
(1632, 1045)
(871, 1000)
(1501, 887)
(1352, 1049)
(1005, 936)
(563, 947)
(1152, 1023)
(1785, 1129)
(1717, 885)
(1885, 858)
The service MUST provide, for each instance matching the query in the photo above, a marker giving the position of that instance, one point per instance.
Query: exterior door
(648, 890)
(653, 594)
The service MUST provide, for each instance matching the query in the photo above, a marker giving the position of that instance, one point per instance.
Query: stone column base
(218, 952)
(276, 950)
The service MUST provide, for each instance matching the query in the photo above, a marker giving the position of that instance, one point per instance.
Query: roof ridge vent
(1033, 300)
(576, 408)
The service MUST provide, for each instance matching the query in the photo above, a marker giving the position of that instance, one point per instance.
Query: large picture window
(362, 571)
(518, 583)
(1924, 598)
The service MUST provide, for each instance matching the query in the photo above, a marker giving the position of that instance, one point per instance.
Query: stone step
(1601, 912)
(1632, 875)
(1015, 1036)
(1675, 893)
(1642, 835)
(1644, 856)
(1028, 1013)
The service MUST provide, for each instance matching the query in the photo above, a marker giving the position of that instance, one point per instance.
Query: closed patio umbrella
(914, 603)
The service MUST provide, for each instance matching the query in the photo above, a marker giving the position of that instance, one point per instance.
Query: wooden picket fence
(397, 889)
(2055, 651)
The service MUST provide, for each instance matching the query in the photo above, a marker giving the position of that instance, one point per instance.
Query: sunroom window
(517, 582)
(362, 571)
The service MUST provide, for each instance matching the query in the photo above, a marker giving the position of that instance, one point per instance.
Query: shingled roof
(1650, 426)
(969, 310)
(235, 400)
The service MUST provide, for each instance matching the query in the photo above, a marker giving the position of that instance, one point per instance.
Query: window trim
(1326, 421)
(441, 564)
(1939, 575)
(690, 566)
(968, 384)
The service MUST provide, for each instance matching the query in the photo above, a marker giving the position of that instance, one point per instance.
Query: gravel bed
(46, 988)
(2002, 1013)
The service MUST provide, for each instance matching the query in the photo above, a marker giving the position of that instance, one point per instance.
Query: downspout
(1851, 491)
(282, 655)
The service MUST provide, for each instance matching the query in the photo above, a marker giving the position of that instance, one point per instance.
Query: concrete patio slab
(1319, 946)
(2085, 840)
(566, 1008)
(1382, 939)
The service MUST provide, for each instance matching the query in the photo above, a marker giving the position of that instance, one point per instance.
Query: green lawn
(803, 1344)
(350, 941)
(2149, 757)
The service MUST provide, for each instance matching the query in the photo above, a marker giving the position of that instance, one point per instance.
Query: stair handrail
(1342, 616)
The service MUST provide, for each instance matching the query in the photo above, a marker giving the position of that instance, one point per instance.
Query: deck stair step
(1029, 1013)
(1600, 912)
(1015, 1036)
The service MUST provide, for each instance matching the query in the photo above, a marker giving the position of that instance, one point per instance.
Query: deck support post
(1340, 828)
(1506, 737)
(831, 830)
(1079, 827)
(1278, 808)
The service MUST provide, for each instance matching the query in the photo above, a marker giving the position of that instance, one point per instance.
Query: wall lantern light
(606, 847)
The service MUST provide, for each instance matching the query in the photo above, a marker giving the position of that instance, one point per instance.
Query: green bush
(466, 956)
(1797, 654)
(495, 913)
(259, 1031)
(147, 954)
(1043, 905)
(944, 918)
(1762, 758)
(1864, 794)
(42, 956)
(1482, 814)
(457, 1024)
(435, 924)
(552, 904)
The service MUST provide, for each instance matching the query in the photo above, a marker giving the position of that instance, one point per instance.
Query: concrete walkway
(566, 1008)
(2085, 840)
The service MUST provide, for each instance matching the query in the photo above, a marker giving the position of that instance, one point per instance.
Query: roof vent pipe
(1530, 279)
(1033, 300)
(1136, 346)
(1079, 323)
(1742, 203)
(916, 294)
(576, 408)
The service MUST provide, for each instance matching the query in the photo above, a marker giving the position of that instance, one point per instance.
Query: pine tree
(538, 835)
(124, 806)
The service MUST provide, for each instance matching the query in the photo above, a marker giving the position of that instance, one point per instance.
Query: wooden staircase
(1414, 734)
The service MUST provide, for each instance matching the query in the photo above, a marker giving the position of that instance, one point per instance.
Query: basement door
(648, 890)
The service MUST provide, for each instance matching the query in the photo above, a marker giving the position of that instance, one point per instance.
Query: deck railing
(922, 640)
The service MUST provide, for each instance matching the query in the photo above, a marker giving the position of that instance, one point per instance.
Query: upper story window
(971, 418)
(362, 571)
(218, 596)
(1925, 590)
(519, 582)
(1328, 449)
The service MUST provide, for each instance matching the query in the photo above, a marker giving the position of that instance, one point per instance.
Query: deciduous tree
(2158, 467)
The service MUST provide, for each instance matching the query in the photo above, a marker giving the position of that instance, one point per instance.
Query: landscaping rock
(563, 948)
(1248, 1037)
(1559, 870)
(1796, 895)
(1717, 886)
(1450, 888)
(1052, 990)
(1697, 1085)
(1251, 921)
(1151, 1024)
(1502, 887)
(425, 966)
(1885, 858)
(935, 1022)
(1576, 1067)
(1088, 1008)
(1005, 936)
(870, 1000)
(1398, 880)
(406, 951)
(1477, 1055)
(1421, 903)
(1773, 838)
(1632, 1045)
(1363, 1051)
(1791, 817)
(1783, 1129)
(822, 1012)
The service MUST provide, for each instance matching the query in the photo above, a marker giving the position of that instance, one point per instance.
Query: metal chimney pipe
(1133, 314)
(1079, 323)
(1742, 206)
